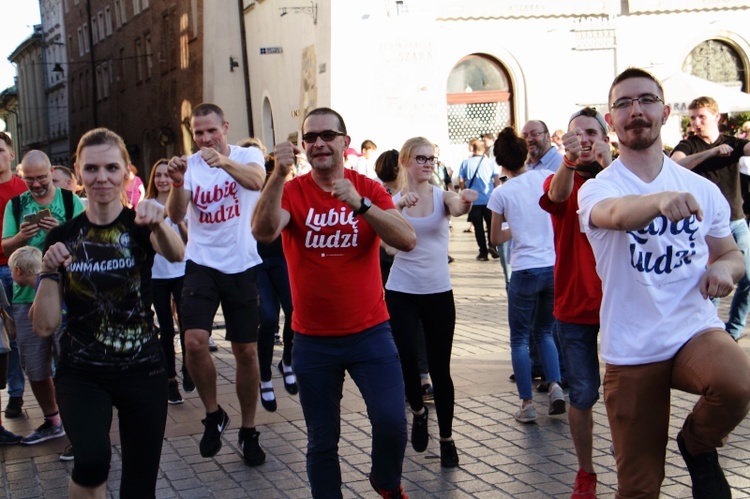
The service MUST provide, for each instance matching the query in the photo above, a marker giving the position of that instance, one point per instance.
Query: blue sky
(18, 25)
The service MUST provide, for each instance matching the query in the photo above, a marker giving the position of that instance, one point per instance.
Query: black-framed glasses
(533, 135)
(643, 100)
(425, 159)
(326, 135)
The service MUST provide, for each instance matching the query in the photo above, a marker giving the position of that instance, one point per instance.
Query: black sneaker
(187, 382)
(214, 428)
(493, 252)
(13, 409)
(708, 478)
(251, 451)
(427, 392)
(9, 438)
(448, 454)
(174, 396)
(67, 454)
(419, 435)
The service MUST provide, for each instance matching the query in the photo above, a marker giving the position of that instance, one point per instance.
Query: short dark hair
(207, 108)
(368, 144)
(510, 150)
(324, 111)
(632, 72)
(6, 138)
(386, 166)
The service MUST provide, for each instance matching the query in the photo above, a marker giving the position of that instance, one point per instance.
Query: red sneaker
(585, 487)
(389, 494)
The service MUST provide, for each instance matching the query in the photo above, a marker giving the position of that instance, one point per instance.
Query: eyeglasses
(533, 135)
(41, 179)
(425, 159)
(643, 100)
(326, 135)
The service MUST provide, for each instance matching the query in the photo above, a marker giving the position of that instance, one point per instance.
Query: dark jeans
(275, 295)
(371, 358)
(86, 401)
(16, 379)
(480, 216)
(437, 313)
(164, 290)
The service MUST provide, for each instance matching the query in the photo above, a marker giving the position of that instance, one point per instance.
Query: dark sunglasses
(326, 135)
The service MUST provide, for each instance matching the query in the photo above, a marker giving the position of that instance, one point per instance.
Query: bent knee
(90, 474)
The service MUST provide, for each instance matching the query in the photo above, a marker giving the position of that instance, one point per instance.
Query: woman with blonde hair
(99, 263)
(419, 291)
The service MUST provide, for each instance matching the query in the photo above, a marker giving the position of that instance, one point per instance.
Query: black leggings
(86, 401)
(163, 291)
(437, 312)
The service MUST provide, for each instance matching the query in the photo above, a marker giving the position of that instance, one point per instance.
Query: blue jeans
(275, 294)
(504, 251)
(741, 300)
(371, 358)
(530, 301)
(16, 378)
(578, 345)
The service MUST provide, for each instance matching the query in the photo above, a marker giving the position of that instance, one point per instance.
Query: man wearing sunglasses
(715, 156)
(331, 223)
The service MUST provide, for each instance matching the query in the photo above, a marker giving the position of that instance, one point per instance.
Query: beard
(643, 140)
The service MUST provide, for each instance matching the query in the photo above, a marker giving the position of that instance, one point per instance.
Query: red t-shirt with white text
(333, 258)
(578, 289)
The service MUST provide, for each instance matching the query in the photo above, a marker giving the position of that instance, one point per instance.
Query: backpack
(67, 202)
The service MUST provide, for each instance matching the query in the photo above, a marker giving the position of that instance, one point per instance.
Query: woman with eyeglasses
(532, 260)
(419, 290)
(166, 285)
(99, 264)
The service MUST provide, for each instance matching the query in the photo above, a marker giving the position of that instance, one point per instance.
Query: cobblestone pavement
(499, 457)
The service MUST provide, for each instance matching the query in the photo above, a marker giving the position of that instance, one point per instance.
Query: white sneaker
(526, 414)
(556, 400)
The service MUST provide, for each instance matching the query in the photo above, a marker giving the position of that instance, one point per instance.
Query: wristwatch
(363, 207)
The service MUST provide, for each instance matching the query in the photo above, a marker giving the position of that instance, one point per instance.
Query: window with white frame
(108, 20)
(94, 31)
(149, 55)
(136, 7)
(102, 33)
(81, 46)
(86, 46)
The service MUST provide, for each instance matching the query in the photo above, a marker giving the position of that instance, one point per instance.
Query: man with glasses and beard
(542, 155)
(331, 223)
(28, 218)
(663, 246)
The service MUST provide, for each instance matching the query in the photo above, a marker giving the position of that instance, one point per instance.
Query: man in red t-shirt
(10, 186)
(578, 289)
(331, 223)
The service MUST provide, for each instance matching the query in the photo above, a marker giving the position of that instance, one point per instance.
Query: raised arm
(250, 176)
(166, 241)
(459, 204)
(696, 159)
(269, 219)
(179, 197)
(637, 211)
(47, 308)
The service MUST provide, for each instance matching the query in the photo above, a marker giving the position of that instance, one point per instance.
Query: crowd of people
(628, 255)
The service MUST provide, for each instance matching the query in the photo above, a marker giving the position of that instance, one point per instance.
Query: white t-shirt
(652, 305)
(424, 270)
(533, 239)
(163, 268)
(219, 232)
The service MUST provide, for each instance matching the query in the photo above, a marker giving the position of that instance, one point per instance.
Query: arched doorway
(479, 100)
(269, 133)
(718, 61)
